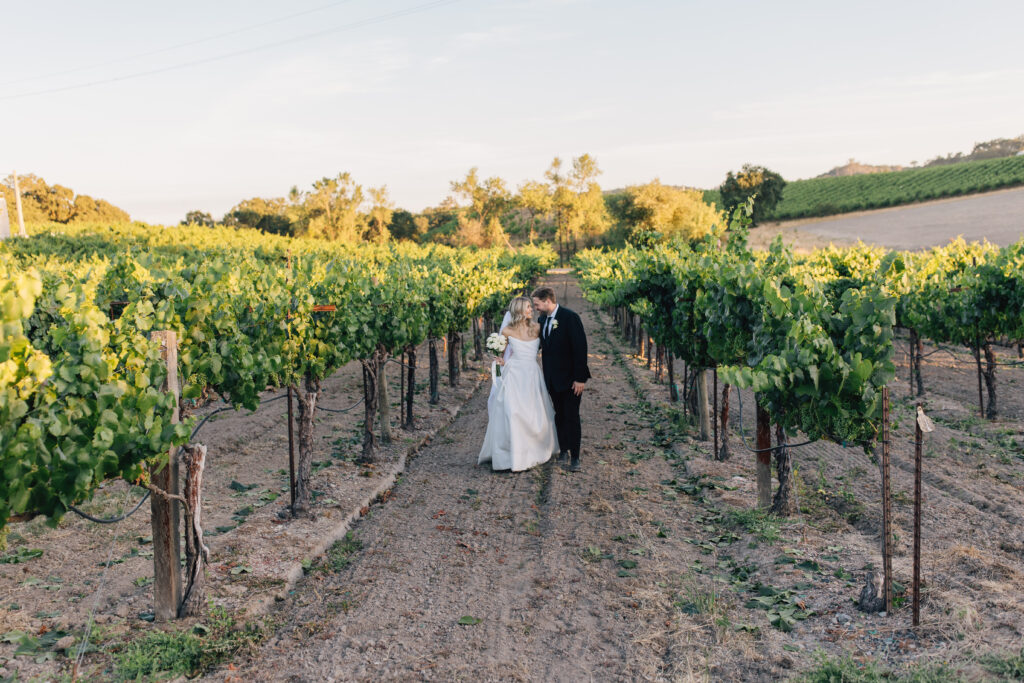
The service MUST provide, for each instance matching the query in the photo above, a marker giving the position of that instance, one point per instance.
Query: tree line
(45, 203)
(566, 206)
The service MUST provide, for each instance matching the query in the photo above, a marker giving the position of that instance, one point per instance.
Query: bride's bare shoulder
(522, 334)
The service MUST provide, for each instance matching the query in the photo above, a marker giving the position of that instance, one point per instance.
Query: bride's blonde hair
(520, 308)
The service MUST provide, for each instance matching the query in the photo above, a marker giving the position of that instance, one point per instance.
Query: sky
(162, 108)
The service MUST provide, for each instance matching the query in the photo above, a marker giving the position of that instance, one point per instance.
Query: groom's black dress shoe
(574, 463)
(563, 456)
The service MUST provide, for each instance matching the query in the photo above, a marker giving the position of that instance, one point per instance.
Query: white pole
(17, 203)
(5, 224)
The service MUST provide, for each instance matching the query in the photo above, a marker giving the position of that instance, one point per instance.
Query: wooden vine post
(703, 405)
(371, 375)
(478, 348)
(921, 425)
(977, 362)
(886, 506)
(165, 513)
(714, 413)
(453, 359)
(383, 399)
(291, 448)
(916, 354)
(196, 553)
(977, 357)
(763, 445)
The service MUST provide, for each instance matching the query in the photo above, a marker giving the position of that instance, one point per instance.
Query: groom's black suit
(565, 361)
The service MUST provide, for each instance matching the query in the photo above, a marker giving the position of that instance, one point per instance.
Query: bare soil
(256, 548)
(642, 566)
(562, 570)
(647, 565)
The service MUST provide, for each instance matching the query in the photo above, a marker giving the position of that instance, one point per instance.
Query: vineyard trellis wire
(813, 336)
(249, 312)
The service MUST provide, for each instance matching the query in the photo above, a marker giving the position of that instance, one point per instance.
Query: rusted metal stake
(886, 506)
(918, 439)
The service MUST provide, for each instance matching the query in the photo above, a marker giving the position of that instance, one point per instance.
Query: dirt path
(649, 564)
(572, 576)
(254, 552)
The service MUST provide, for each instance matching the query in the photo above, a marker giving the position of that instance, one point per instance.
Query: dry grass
(597, 504)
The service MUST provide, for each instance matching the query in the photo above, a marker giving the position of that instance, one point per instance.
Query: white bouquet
(496, 344)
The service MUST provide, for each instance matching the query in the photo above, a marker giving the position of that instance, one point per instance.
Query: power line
(178, 46)
(174, 67)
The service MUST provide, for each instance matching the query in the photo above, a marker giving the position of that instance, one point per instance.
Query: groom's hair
(545, 294)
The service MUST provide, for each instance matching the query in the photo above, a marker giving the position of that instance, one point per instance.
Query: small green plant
(902, 498)
(160, 654)
(847, 670)
(756, 522)
(593, 554)
(343, 552)
(698, 600)
(20, 555)
(187, 653)
(784, 608)
(1007, 667)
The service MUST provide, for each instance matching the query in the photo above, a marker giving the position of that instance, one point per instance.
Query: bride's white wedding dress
(520, 417)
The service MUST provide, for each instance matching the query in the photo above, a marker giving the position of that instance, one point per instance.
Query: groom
(565, 369)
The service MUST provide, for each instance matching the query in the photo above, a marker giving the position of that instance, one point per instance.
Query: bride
(520, 417)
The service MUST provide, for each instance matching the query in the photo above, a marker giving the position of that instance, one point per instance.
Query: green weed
(755, 522)
(1007, 667)
(187, 653)
(342, 553)
(699, 600)
(846, 670)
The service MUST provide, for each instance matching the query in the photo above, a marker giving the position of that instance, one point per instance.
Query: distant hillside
(990, 149)
(854, 167)
(835, 195)
(990, 165)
